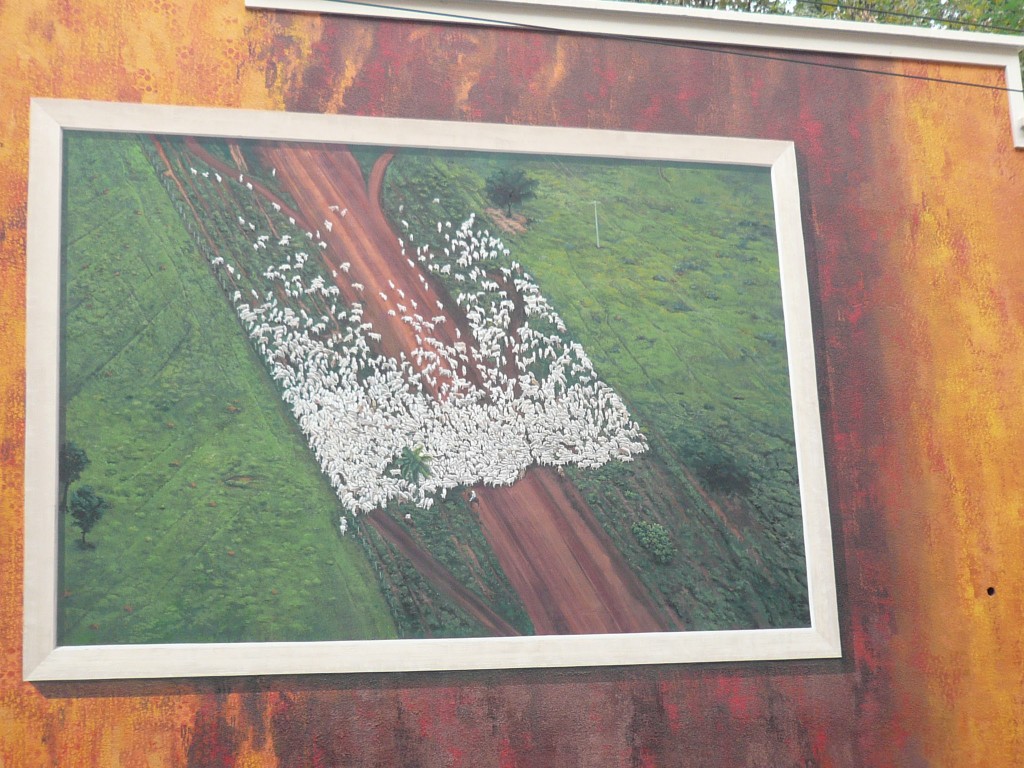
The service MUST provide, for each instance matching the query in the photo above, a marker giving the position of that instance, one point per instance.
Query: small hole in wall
(991, 591)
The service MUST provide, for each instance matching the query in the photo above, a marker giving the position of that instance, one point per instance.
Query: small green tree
(87, 507)
(413, 465)
(507, 187)
(655, 539)
(72, 462)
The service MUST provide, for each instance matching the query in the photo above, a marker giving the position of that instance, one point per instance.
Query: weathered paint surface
(912, 195)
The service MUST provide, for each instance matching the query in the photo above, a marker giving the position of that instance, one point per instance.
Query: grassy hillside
(221, 527)
(680, 311)
(218, 203)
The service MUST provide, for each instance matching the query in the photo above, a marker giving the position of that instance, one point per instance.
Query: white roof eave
(710, 27)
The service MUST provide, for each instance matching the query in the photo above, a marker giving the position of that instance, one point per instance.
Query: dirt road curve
(555, 554)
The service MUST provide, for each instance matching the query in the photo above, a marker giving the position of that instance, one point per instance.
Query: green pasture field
(680, 310)
(221, 527)
(452, 536)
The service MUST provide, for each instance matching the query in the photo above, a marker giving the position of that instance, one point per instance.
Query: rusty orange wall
(912, 200)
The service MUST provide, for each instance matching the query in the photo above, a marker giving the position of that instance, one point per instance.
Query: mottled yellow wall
(912, 200)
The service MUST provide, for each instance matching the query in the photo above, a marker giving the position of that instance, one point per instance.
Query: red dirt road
(570, 576)
(564, 567)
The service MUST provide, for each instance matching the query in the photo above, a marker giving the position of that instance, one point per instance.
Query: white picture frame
(45, 659)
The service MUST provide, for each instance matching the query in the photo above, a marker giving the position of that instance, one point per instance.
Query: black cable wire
(677, 44)
(917, 17)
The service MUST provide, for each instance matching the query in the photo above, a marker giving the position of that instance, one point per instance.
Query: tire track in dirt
(439, 576)
(566, 570)
(197, 149)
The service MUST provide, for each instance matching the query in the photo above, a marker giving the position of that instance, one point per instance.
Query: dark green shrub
(654, 538)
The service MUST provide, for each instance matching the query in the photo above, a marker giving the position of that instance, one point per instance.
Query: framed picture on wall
(315, 393)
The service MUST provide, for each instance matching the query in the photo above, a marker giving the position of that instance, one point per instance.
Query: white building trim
(658, 22)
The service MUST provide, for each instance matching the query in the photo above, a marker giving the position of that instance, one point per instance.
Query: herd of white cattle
(480, 409)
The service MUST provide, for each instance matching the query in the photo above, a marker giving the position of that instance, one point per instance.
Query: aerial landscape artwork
(363, 392)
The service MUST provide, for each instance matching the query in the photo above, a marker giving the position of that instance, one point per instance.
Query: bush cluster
(655, 539)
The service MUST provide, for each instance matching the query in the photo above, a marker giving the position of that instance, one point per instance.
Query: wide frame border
(44, 659)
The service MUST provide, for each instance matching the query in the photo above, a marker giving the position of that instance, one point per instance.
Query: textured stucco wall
(911, 195)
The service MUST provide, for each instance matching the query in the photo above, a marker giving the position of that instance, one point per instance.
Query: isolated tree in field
(87, 507)
(72, 462)
(507, 187)
(413, 465)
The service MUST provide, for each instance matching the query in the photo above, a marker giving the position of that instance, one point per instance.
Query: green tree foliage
(72, 461)
(963, 14)
(87, 507)
(1005, 15)
(748, 6)
(507, 187)
(413, 465)
(655, 539)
